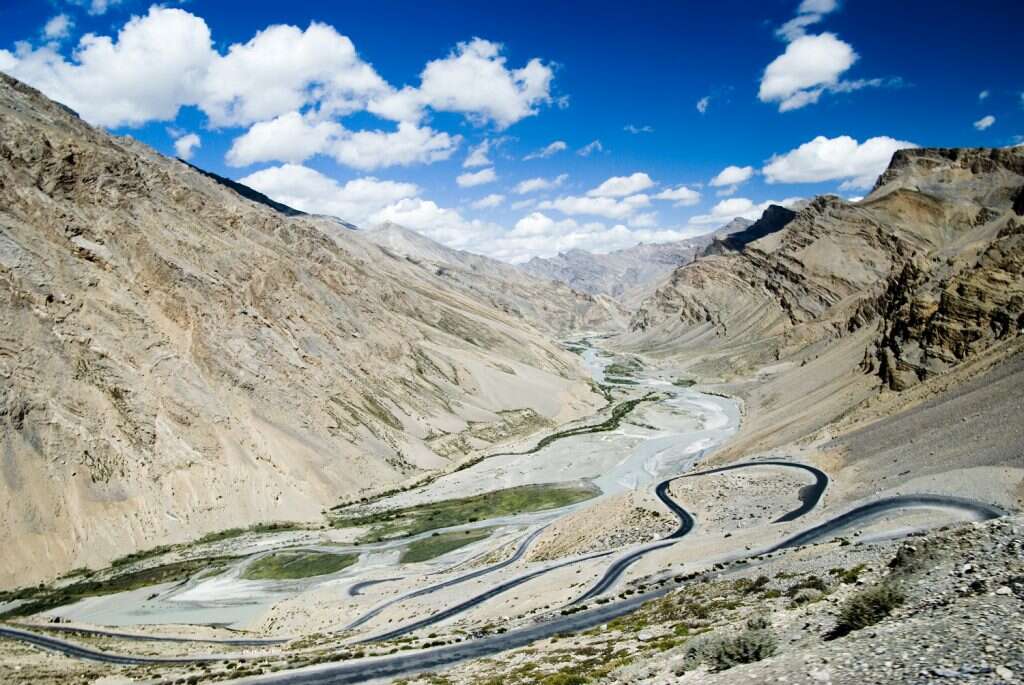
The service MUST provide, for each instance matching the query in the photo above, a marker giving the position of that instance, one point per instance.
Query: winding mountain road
(809, 497)
(979, 510)
(78, 651)
(341, 673)
(135, 637)
(516, 556)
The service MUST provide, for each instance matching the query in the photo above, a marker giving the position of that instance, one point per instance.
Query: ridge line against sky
(492, 130)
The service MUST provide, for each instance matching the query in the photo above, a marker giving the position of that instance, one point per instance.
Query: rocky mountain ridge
(931, 256)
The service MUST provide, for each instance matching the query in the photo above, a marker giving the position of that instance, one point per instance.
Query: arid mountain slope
(548, 304)
(939, 223)
(176, 359)
(903, 288)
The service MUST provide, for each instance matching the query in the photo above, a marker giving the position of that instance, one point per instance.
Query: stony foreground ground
(961, 620)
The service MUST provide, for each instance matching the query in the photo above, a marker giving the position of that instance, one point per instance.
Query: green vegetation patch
(43, 599)
(619, 412)
(294, 565)
(722, 652)
(442, 543)
(216, 536)
(624, 367)
(421, 518)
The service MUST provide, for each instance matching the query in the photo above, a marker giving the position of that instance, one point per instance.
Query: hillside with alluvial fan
(177, 359)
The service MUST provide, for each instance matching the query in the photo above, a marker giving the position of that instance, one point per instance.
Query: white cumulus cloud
(680, 196)
(608, 207)
(295, 137)
(479, 178)
(489, 201)
(732, 176)
(357, 201)
(58, 27)
(410, 144)
(533, 185)
(98, 7)
(166, 59)
(809, 66)
(473, 80)
(984, 122)
(186, 144)
(290, 137)
(547, 150)
(283, 68)
(620, 186)
(703, 104)
(829, 159)
(809, 12)
(156, 64)
(478, 155)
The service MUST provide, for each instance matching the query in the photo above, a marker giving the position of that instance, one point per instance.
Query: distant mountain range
(629, 274)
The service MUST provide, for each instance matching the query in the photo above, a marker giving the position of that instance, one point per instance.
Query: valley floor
(658, 578)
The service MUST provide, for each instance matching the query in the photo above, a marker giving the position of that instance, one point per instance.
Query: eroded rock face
(938, 313)
(176, 359)
(932, 258)
(774, 219)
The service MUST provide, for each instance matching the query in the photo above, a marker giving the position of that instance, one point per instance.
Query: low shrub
(866, 608)
(807, 583)
(721, 652)
(806, 596)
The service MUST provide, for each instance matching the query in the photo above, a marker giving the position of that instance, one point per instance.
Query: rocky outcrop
(937, 313)
(775, 218)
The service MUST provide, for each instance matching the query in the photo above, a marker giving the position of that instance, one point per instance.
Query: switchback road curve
(809, 497)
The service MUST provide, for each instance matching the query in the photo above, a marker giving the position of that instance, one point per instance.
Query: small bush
(759, 623)
(749, 586)
(849, 576)
(721, 652)
(808, 583)
(866, 608)
(806, 596)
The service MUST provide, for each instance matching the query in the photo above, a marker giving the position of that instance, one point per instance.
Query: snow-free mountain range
(241, 441)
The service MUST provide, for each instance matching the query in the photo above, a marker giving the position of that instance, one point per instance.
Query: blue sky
(373, 111)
